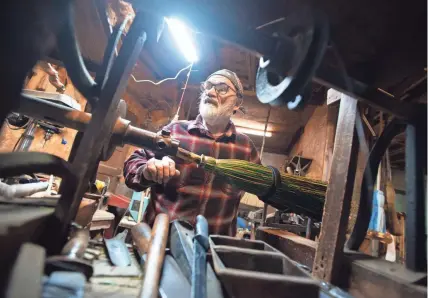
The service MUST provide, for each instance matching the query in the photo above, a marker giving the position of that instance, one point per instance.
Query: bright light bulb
(183, 38)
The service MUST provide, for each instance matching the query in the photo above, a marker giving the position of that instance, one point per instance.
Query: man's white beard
(214, 115)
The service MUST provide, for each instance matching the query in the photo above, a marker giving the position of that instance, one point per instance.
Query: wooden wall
(313, 141)
(40, 81)
(137, 114)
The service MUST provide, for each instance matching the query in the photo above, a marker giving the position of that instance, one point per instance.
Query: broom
(283, 191)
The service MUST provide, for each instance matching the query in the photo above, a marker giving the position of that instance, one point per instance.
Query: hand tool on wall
(50, 130)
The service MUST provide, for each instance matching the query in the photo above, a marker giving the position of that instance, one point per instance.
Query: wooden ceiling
(382, 43)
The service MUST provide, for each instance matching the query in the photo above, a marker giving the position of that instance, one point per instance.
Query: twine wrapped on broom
(283, 191)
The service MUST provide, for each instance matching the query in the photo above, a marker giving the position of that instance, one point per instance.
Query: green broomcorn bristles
(296, 194)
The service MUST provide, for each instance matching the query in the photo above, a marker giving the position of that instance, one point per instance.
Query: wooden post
(329, 255)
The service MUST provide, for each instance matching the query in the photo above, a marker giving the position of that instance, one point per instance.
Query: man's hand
(160, 171)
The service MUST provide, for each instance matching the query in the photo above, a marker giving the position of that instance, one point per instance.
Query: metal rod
(21, 190)
(199, 265)
(155, 257)
(141, 235)
(308, 228)
(76, 246)
(122, 133)
(28, 136)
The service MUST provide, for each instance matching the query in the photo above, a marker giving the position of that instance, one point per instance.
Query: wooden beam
(333, 96)
(328, 258)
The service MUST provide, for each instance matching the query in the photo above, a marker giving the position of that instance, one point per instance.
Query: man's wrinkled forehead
(215, 79)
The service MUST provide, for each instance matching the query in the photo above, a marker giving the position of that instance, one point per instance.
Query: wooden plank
(312, 143)
(332, 114)
(328, 258)
(299, 249)
(333, 96)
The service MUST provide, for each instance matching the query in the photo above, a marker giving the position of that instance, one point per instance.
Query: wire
(164, 80)
(175, 118)
(182, 94)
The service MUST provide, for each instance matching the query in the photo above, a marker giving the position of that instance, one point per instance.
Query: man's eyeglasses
(220, 88)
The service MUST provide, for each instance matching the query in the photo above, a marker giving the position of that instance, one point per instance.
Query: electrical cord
(175, 118)
(164, 80)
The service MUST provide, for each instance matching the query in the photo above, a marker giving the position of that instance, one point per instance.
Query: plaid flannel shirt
(195, 191)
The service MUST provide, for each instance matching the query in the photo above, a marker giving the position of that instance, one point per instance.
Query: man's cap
(233, 78)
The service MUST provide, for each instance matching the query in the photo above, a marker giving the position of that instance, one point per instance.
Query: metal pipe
(27, 137)
(155, 257)
(21, 190)
(199, 264)
(308, 228)
(141, 235)
(76, 246)
(123, 132)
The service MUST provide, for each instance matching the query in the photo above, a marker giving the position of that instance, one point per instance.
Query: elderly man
(182, 190)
